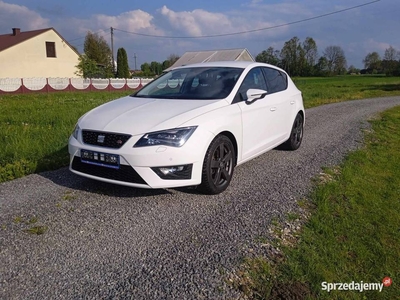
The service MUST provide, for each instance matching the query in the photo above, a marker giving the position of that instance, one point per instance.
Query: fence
(30, 85)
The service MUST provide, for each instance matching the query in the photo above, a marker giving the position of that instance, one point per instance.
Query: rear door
(257, 117)
(266, 122)
(282, 104)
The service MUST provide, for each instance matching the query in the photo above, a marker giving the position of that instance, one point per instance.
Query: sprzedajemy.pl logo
(356, 286)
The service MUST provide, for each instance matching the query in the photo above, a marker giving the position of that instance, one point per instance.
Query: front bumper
(136, 164)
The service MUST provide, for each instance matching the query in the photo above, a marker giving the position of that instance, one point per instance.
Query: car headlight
(176, 137)
(75, 133)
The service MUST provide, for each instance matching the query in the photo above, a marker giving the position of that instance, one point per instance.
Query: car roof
(232, 64)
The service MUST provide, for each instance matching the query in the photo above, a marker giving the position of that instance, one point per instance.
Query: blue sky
(374, 27)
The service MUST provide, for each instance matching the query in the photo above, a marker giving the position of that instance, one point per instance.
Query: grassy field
(34, 128)
(318, 91)
(353, 233)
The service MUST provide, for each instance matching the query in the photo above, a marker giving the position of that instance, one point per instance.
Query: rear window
(277, 80)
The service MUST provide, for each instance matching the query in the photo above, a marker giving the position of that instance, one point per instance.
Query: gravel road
(112, 242)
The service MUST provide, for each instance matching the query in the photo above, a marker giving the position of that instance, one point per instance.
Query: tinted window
(277, 81)
(253, 80)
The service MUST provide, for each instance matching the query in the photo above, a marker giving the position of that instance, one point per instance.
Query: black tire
(296, 134)
(218, 166)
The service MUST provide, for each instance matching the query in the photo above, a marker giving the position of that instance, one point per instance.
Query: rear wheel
(296, 134)
(218, 166)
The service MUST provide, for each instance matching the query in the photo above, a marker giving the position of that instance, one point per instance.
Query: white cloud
(197, 22)
(371, 45)
(133, 21)
(12, 15)
(200, 22)
(278, 10)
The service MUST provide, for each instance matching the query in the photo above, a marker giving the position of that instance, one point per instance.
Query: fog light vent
(174, 172)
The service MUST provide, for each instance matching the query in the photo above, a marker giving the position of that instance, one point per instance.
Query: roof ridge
(29, 31)
(9, 40)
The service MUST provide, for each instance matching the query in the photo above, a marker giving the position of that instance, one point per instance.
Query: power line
(248, 31)
(82, 37)
(102, 35)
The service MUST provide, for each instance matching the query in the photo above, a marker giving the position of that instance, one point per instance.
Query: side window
(277, 81)
(50, 49)
(253, 80)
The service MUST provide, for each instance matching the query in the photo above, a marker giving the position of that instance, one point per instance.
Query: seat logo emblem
(100, 139)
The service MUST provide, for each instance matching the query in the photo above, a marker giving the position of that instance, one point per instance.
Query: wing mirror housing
(254, 95)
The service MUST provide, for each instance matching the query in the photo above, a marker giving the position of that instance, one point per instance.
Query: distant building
(212, 55)
(36, 53)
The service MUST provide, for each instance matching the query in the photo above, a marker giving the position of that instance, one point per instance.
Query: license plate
(100, 159)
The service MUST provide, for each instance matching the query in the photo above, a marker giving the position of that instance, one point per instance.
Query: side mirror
(254, 95)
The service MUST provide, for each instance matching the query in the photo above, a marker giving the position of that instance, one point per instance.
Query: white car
(189, 127)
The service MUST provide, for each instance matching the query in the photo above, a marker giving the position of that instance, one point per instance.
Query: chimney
(16, 31)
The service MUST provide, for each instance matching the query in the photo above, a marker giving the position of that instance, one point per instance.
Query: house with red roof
(36, 53)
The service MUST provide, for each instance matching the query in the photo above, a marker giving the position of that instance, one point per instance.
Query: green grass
(354, 231)
(38, 230)
(324, 90)
(34, 129)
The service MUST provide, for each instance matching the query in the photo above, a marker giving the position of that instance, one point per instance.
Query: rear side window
(253, 80)
(277, 80)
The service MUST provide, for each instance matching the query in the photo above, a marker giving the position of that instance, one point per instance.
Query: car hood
(141, 115)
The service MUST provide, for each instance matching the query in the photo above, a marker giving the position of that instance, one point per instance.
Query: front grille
(124, 173)
(104, 139)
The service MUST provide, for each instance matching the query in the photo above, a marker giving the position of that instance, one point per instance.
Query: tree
(87, 68)
(390, 64)
(122, 64)
(301, 63)
(391, 54)
(146, 69)
(372, 61)
(336, 60)
(353, 70)
(290, 56)
(155, 68)
(172, 58)
(166, 64)
(97, 49)
(269, 56)
(310, 54)
(321, 68)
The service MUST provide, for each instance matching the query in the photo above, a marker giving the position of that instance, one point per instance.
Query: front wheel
(218, 166)
(296, 134)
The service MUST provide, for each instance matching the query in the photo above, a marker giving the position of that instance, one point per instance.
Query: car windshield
(200, 83)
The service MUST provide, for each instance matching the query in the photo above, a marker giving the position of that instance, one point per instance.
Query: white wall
(28, 59)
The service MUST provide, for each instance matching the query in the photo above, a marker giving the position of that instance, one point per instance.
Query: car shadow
(64, 177)
(282, 148)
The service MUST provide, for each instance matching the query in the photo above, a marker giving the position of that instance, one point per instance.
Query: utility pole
(112, 48)
(135, 60)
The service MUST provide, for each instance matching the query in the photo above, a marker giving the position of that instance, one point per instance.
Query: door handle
(292, 102)
(272, 109)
